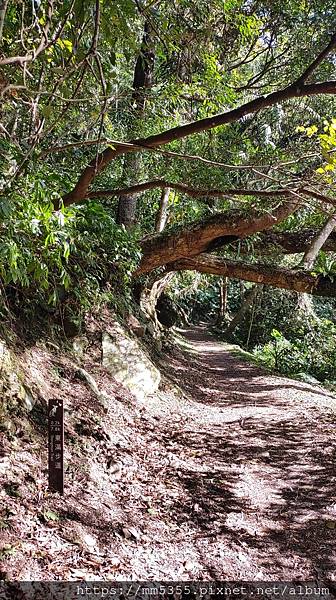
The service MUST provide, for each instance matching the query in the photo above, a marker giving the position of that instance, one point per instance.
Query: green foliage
(325, 265)
(312, 351)
(196, 294)
(74, 251)
(105, 253)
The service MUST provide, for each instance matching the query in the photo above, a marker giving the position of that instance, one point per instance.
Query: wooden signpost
(56, 445)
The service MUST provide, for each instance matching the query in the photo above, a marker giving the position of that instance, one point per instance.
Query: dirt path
(259, 457)
(234, 480)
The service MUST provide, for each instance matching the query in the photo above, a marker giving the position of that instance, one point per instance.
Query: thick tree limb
(299, 281)
(290, 92)
(205, 235)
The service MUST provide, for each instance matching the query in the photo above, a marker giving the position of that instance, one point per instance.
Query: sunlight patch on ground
(260, 491)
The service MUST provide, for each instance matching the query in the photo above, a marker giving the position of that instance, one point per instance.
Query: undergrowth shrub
(47, 256)
(311, 350)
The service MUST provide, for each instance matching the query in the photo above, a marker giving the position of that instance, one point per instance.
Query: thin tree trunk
(3, 8)
(305, 302)
(127, 205)
(142, 80)
(241, 290)
(249, 298)
(162, 214)
(322, 236)
(223, 293)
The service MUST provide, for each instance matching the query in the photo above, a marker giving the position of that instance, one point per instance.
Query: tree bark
(154, 287)
(206, 235)
(298, 281)
(144, 67)
(150, 295)
(162, 214)
(192, 191)
(127, 204)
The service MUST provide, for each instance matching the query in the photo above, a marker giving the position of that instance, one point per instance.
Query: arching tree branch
(188, 190)
(80, 190)
(297, 89)
(210, 193)
(205, 235)
(175, 155)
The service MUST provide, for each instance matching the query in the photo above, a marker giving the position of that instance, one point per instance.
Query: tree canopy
(223, 108)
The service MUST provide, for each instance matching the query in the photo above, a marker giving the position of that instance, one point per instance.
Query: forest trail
(234, 479)
(257, 456)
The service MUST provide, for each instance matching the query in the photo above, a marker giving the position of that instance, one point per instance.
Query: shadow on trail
(260, 473)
